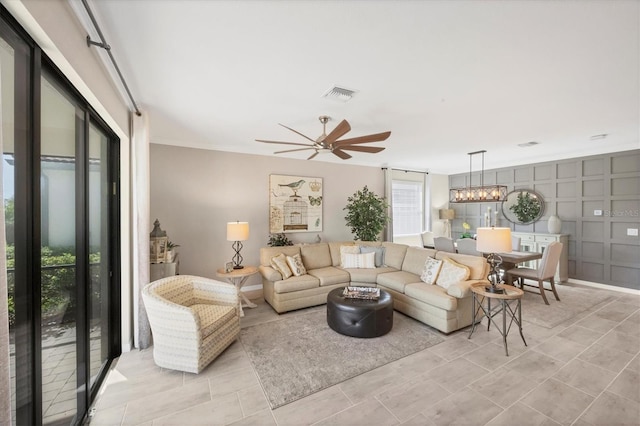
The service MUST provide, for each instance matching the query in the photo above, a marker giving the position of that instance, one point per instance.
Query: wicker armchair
(193, 319)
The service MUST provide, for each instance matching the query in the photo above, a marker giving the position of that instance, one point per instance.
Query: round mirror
(523, 206)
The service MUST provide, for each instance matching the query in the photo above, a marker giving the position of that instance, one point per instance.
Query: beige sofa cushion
(269, 273)
(316, 256)
(415, 258)
(394, 254)
(367, 275)
(397, 280)
(476, 264)
(330, 275)
(432, 295)
(303, 282)
(266, 253)
(334, 249)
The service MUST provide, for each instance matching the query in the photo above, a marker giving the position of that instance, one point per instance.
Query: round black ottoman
(358, 317)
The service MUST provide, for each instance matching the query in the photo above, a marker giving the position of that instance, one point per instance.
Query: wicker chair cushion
(212, 317)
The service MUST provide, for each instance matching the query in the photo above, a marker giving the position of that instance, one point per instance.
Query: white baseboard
(252, 287)
(605, 286)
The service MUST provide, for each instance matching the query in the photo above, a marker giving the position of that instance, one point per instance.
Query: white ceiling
(445, 77)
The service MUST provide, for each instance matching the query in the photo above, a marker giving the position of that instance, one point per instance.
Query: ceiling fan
(331, 143)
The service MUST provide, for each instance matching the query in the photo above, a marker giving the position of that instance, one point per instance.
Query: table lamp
(447, 215)
(236, 232)
(492, 241)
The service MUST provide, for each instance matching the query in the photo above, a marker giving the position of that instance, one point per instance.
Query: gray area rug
(299, 355)
(573, 301)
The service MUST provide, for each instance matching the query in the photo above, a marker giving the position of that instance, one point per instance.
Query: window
(408, 207)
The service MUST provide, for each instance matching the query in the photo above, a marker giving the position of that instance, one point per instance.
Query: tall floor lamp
(492, 241)
(236, 232)
(447, 215)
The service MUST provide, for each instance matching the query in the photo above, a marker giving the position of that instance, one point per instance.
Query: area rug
(300, 355)
(573, 302)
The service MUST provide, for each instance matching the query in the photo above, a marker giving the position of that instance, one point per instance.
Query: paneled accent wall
(576, 189)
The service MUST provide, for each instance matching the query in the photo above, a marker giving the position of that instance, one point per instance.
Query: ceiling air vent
(528, 144)
(338, 93)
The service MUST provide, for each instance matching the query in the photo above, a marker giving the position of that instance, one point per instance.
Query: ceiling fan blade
(313, 155)
(371, 149)
(340, 130)
(376, 137)
(341, 154)
(297, 132)
(293, 150)
(283, 143)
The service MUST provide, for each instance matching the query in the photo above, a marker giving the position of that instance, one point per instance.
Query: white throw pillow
(296, 265)
(431, 270)
(451, 273)
(365, 260)
(279, 263)
(352, 249)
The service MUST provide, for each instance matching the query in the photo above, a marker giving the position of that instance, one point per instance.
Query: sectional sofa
(444, 309)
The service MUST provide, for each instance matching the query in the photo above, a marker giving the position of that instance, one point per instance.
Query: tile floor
(584, 372)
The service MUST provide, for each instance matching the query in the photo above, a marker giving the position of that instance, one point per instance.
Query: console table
(537, 242)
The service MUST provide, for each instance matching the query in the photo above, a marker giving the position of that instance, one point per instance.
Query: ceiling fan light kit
(477, 194)
(331, 143)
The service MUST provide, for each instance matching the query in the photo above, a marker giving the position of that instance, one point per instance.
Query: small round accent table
(504, 301)
(238, 277)
(359, 317)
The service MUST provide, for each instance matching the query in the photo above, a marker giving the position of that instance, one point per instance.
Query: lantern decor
(236, 232)
(158, 244)
(477, 194)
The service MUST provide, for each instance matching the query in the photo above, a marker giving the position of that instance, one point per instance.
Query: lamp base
(493, 289)
(238, 267)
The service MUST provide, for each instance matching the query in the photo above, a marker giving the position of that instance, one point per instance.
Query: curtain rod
(103, 44)
(406, 171)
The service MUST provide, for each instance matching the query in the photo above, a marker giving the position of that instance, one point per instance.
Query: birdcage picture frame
(295, 204)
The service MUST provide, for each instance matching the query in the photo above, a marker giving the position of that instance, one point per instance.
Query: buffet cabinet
(534, 241)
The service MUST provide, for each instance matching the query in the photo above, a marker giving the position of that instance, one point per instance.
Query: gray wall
(599, 248)
(195, 192)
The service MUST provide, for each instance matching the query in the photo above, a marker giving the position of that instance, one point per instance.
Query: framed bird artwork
(295, 204)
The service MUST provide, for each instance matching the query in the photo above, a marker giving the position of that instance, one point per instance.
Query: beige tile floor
(584, 372)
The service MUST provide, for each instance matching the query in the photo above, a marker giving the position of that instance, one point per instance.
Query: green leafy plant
(366, 215)
(279, 240)
(527, 207)
(171, 245)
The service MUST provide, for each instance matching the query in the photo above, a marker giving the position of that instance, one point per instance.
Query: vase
(554, 225)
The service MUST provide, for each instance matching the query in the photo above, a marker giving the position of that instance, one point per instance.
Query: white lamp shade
(493, 240)
(237, 231)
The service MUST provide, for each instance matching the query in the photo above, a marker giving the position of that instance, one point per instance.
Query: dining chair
(427, 239)
(444, 244)
(545, 272)
(467, 246)
(516, 243)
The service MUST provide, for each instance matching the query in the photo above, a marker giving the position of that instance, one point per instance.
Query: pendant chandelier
(477, 194)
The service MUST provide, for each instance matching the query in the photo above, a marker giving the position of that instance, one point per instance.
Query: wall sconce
(236, 232)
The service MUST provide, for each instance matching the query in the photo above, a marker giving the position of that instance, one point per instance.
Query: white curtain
(388, 194)
(5, 358)
(141, 225)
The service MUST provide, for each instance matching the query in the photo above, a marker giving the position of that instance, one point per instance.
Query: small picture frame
(228, 267)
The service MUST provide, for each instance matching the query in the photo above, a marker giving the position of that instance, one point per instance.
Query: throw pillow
(348, 250)
(279, 263)
(365, 260)
(379, 251)
(431, 270)
(451, 273)
(296, 265)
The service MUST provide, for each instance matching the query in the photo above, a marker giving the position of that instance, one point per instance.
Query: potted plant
(366, 215)
(466, 233)
(170, 254)
(279, 240)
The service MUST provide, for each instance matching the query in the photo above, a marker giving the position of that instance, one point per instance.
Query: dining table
(511, 259)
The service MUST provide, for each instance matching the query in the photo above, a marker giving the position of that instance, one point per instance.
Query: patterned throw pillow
(431, 270)
(347, 250)
(365, 260)
(279, 263)
(452, 273)
(379, 251)
(296, 265)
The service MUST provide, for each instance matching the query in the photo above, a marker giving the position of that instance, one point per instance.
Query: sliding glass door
(60, 181)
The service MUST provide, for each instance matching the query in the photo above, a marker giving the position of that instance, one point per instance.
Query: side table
(238, 277)
(511, 295)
